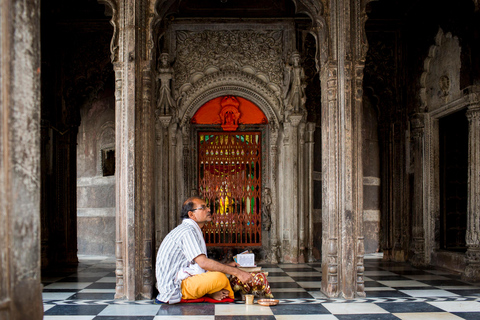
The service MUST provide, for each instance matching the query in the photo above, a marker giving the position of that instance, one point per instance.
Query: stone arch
(440, 39)
(230, 83)
(111, 5)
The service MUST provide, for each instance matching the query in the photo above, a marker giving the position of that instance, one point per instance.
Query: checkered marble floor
(394, 291)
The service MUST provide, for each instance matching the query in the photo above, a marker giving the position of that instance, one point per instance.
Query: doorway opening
(453, 181)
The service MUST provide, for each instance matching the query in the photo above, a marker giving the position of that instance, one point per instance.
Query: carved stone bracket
(164, 120)
(295, 119)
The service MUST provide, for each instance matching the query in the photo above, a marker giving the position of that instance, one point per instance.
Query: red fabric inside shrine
(209, 113)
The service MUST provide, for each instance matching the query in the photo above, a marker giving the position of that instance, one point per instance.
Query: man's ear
(190, 215)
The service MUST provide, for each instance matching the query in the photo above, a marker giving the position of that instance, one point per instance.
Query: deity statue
(165, 102)
(294, 85)
(267, 214)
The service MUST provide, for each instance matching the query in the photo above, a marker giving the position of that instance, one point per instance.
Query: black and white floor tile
(393, 291)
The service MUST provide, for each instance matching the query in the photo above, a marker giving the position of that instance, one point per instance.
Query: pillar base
(472, 271)
(418, 260)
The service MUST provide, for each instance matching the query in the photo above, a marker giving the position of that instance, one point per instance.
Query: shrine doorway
(229, 170)
(230, 180)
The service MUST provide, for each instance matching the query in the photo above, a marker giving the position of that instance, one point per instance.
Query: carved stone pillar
(342, 180)
(472, 271)
(172, 178)
(289, 193)
(119, 254)
(309, 153)
(274, 241)
(186, 169)
(160, 226)
(134, 139)
(20, 285)
(161, 170)
(418, 228)
(147, 186)
(302, 193)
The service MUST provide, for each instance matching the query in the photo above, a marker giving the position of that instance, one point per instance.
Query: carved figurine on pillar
(294, 86)
(165, 102)
(267, 206)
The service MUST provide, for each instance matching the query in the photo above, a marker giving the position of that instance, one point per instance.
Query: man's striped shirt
(177, 251)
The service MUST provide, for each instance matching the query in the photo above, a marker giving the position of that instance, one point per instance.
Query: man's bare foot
(219, 295)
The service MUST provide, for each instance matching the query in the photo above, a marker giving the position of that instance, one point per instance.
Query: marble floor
(394, 291)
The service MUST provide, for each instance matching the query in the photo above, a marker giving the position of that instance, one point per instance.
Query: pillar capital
(473, 112)
(295, 119)
(417, 121)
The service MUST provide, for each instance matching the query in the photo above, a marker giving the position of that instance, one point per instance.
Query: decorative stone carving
(440, 81)
(444, 84)
(165, 102)
(294, 86)
(267, 210)
(163, 119)
(203, 52)
(229, 114)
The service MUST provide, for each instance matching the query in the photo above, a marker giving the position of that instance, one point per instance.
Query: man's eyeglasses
(201, 208)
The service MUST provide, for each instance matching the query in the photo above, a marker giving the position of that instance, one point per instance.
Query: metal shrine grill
(229, 179)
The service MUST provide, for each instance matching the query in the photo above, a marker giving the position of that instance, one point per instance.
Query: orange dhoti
(199, 285)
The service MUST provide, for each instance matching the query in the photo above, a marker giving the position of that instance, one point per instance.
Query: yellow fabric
(202, 284)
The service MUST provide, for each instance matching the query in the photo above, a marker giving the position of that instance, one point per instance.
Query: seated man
(182, 261)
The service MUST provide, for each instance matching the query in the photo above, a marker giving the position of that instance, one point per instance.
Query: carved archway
(234, 83)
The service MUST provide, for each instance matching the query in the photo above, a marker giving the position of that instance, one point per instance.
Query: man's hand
(231, 268)
(243, 276)
(233, 264)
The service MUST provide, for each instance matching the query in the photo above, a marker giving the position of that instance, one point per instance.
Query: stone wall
(96, 192)
(20, 286)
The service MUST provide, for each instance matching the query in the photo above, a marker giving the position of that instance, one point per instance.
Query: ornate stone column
(309, 151)
(418, 229)
(119, 254)
(472, 271)
(134, 144)
(342, 180)
(20, 283)
(172, 178)
(146, 189)
(289, 193)
(161, 172)
(302, 194)
(274, 241)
